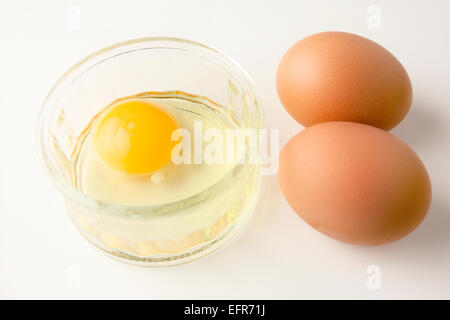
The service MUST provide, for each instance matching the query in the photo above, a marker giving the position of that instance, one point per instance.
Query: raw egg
(338, 76)
(134, 137)
(354, 182)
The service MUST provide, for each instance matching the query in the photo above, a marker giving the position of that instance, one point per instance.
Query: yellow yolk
(134, 137)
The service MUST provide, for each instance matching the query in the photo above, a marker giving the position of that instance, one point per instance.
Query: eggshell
(338, 76)
(354, 182)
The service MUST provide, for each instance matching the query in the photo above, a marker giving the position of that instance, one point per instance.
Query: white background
(278, 256)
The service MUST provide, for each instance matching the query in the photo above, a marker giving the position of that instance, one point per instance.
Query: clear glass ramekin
(142, 235)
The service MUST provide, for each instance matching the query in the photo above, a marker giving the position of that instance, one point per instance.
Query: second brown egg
(354, 182)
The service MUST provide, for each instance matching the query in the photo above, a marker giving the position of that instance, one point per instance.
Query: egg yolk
(134, 137)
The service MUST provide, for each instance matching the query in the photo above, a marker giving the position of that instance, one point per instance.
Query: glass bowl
(171, 233)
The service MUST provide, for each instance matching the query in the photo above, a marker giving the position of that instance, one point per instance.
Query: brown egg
(354, 182)
(338, 76)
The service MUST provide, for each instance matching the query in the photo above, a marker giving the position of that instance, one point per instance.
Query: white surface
(278, 256)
